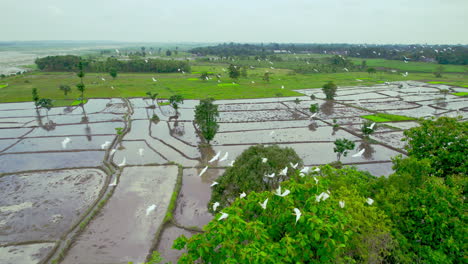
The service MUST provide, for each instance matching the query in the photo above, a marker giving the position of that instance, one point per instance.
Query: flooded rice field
(74, 191)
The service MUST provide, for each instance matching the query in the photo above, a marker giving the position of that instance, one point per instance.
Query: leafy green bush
(329, 89)
(249, 170)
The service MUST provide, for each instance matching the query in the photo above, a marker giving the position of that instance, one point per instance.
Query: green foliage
(248, 173)
(371, 70)
(175, 100)
(234, 72)
(65, 89)
(155, 118)
(113, 73)
(444, 142)
(80, 86)
(266, 77)
(119, 130)
(314, 108)
(325, 232)
(465, 94)
(366, 128)
(342, 146)
(35, 96)
(204, 76)
(438, 72)
(206, 114)
(45, 103)
(381, 117)
(329, 89)
(312, 97)
(152, 96)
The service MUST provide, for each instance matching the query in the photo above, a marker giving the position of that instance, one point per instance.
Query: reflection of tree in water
(177, 129)
(327, 108)
(85, 120)
(206, 152)
(313, 126)
(48, 126)
(368, 150)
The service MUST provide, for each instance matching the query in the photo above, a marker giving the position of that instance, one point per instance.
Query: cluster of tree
(70, 63)
(443, 54)
(416, 215)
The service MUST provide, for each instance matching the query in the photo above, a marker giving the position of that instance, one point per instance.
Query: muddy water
(46, 161)
(25, 254)
(54, 200)
(166, 240)
(191, 209)
(123, 231)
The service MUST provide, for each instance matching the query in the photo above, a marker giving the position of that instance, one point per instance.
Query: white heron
(112, 152)
(102, 78)
(297, 213)
(224, 157)
(284, 171)
(315, 70)
(371, 126)
(203, 171)
(154, 80)
(124, 161)
(317, 169)
(112, 87)
(252, 67)
(146, 61)
(215, 206)
(308, 62)
(346, 69)
(215, 157)
(65, 142)
(294, 166)
(370, 201)
(219, 81)
(272, 68)
(406, 61)
(316, 181)
(270, 175)
(305, 170)
(359, 154)
(272, 132)
(141, 151)
(264, 204)
(282, 86)
(178, 70)
(114, 183)
(117, 51)
(342, 204)
(223, 216)
(322, 197)
(183, 72)
(232, 163)
(358, 80)
(282, 194)
(105, 145)
(313, 115)
(264, 160)
(253, 82)
(214, 183)
(242, 195)
(150, 209)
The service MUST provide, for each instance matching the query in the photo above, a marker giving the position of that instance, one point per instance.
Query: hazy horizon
(208, 21)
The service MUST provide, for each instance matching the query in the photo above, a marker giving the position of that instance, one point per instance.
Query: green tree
(65, 89)
(204, 76)
(45, 103)
(367, 128)
(325, 232)
(342, 146)
(314, 108)
(444, 142)
(445, 92)
(249, 173)
(153, 97)
(363, 64)
(175, 100)
(371, 70)
(266, 77)
(168, 53)
(113, 73)
(234, 72)
(206, 114)
(80, 86)
(35, 97)
(438, 71)
(329, 89)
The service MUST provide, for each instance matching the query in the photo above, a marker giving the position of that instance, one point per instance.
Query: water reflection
(47, 126)
(368, 149)
(313, 126)
(327, 108)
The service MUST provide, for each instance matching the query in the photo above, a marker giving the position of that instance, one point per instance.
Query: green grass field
(191, 87)
(461, 94)
(3, 85)
(381, 117)
(410, 66)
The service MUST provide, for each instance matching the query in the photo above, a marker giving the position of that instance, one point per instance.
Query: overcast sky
(306, 21)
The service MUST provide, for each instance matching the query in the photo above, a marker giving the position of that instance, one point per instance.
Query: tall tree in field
(329, 89)
(234, 72)
(35, 97)
(266, 77)
(342, 146)
(113, 73)
(81, 87)
(45, 103)
(65, 89)
(206, 114)
(175, 100)
(153, 97)
(168, 53)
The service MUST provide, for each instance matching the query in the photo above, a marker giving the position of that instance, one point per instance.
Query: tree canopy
(206, 114)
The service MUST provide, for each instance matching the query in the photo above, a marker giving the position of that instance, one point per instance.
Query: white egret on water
(140, 151)
(232, 163)
(112, 152)
(264, 204)
(342, 204)
(124, 161)
(278, 192)
(224, 157)
(297, 213)
(359, 154)
(154, 80)
(284, 171)
(272, 132)
(370, 201)
(294, 166)
(215, 206)
(214, 183)
(264, 160)
(65, 142)
(312, 116)
(371, 126)
(270, 175)
(150, 209)
(215, 157)
(114, 183)
(223, 216)
(242, 195)
(105, 145)
(203, 171)
(322, 197)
